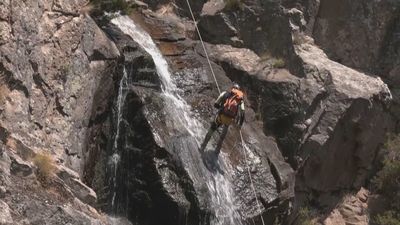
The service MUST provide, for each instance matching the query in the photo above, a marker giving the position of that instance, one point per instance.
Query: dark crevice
(97, 56)
(269, 205)
(67, 13)
(68, 153)
(38, 80)
(34, 65)
(127, 49)
(307, 137)
(13, 84)
(316, 103)
(60, 108)
(30, 109)
(169, 40)
(100, 118)
(38, 125)
(275, 173)
(4, 134)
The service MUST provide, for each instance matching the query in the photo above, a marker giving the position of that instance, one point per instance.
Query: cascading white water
(179, 109)
(115, 157)
(181, 118)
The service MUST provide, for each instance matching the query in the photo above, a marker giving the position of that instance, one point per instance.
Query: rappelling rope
(219, 90)
(251, 180)
(204, 47)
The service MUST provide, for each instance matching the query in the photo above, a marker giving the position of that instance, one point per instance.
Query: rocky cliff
(95, 99)
(56, 65)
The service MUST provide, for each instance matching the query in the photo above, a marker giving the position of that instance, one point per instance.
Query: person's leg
(221, 139)
(214, 126)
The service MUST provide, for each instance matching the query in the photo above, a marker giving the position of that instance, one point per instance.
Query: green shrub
(388, 178)
(387, 182)
(113, 6)
(45, 166)
(233, 5)
(278, 63)
(387, 218)
(305, 217)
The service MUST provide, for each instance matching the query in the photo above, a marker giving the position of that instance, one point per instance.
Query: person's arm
(220, 100)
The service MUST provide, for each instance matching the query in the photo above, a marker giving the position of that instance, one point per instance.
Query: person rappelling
(230, 105)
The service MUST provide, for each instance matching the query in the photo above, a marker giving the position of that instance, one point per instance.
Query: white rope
(251, 180)
(204, 47)
(219, 90)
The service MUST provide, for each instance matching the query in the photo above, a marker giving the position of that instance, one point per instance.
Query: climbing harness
(219, 90)
(224, 119)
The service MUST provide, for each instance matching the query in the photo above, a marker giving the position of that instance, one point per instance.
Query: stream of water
(115, 157)
(181, 118)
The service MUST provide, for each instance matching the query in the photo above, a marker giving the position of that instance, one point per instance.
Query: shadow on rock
(210, 160)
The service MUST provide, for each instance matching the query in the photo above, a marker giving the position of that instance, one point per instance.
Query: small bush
(112, 6)
(305, 217)
(278, 63)
(387, 182)
(388, 218)
(233, 4)
(45, 166)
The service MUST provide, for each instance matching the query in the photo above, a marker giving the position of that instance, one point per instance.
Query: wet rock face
(363, 31)
(273, 178)
(59, 81)
(148, 179)
(319, 111)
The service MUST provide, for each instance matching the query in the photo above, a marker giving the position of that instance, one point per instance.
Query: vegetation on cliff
(45, 165)
(123, 6)
(233, 4)
(387, 183)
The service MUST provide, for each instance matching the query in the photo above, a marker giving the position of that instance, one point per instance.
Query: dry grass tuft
(45, 166)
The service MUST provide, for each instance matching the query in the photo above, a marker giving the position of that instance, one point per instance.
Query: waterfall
(180, 118)
(178, 109)
(115, 157)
